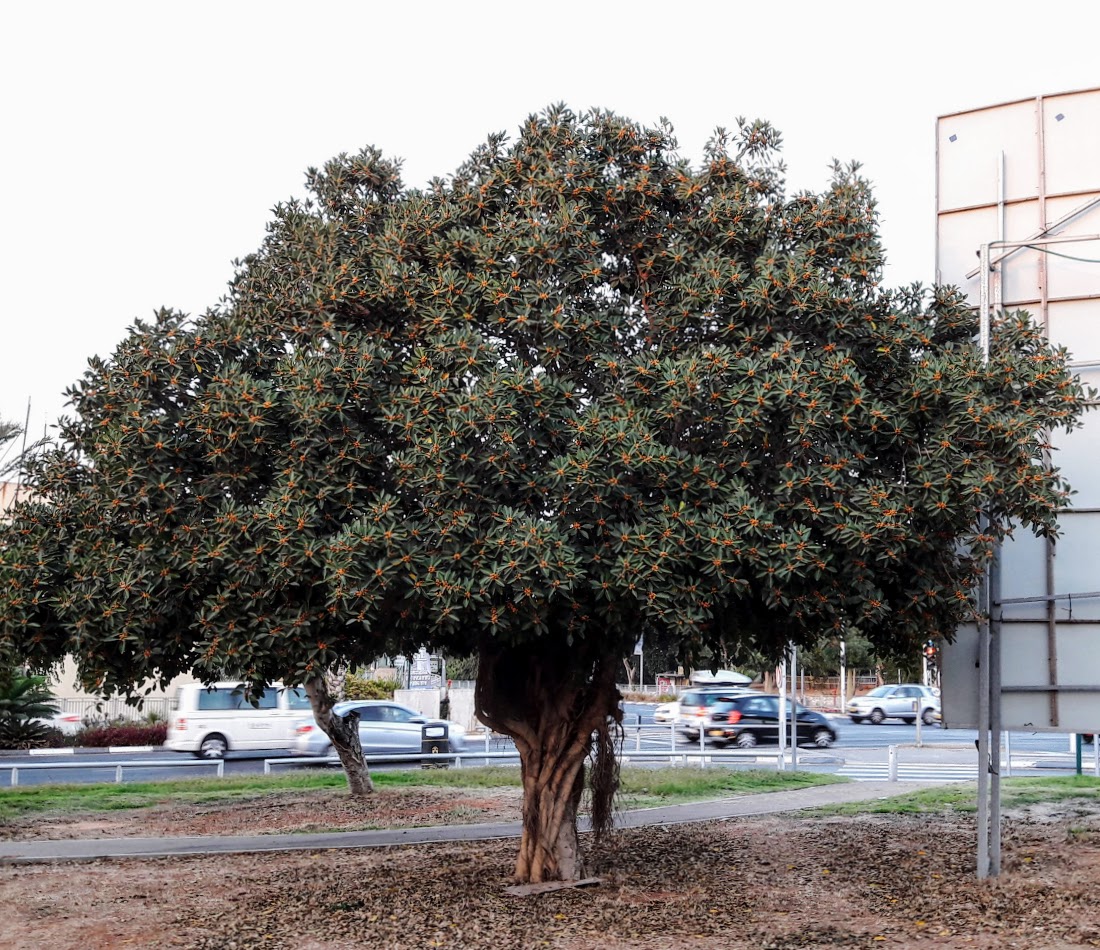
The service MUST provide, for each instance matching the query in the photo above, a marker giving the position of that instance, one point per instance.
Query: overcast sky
(147, 143)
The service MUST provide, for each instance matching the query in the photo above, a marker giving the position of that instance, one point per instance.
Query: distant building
(9, 492)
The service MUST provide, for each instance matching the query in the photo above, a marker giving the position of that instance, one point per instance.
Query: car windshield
(881, 691)
(297, 698)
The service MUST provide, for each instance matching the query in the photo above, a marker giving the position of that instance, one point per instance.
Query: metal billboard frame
(1053, 661)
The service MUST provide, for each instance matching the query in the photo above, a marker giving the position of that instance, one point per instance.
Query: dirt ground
(767, 883)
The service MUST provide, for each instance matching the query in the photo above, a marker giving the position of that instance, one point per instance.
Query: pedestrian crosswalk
(871, 772)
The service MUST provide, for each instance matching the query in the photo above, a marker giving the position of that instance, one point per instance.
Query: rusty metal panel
(968, 145)
(1023, 557)
(1026, 694)
(959, 233)
(1073, 324)
(1071, 127)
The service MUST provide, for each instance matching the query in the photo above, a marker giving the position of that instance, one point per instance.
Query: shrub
(24, 702)
(639, 697)
(358, 686)
(122, 734)
(56, 739)
(462, 667)
(23, 733)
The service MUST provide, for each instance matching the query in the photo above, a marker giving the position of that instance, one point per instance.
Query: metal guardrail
(444, 758)
(1006, 760)
(695, 753)
(117, 766)
(633, 735)
(754, 756)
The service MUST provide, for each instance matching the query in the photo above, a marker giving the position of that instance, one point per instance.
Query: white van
(209, 721)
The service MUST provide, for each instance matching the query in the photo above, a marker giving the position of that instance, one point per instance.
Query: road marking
(923, 773)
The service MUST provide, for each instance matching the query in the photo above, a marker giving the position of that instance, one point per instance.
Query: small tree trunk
(629, 667)
(344, 733)
(533, 693)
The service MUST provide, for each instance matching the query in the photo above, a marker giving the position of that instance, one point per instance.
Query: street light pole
(843, 676)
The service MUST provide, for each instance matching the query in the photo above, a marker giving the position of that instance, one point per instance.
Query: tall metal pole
(983, 618)
(843, 676)
(794, 716)
(782, 690)
(995, 604)
(995, 711)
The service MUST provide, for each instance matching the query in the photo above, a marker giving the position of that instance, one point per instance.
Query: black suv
(754, 718)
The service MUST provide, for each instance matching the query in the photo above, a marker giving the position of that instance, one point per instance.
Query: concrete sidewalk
(765, 803)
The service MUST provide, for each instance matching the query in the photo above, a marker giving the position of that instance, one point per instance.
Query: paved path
(87, 849)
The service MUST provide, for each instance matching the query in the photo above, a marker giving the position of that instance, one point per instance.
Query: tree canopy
(577, 390)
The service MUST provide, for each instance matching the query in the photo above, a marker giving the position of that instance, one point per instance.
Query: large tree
(576, 390)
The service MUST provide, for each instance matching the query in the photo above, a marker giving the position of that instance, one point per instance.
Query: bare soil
(772, 883)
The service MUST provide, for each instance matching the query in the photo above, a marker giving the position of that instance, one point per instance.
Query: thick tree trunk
(550, 849)
(551, 703)
(344, 734)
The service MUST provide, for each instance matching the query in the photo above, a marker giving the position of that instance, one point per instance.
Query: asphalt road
(859, 744)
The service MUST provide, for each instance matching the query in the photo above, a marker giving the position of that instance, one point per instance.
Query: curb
(83, 750)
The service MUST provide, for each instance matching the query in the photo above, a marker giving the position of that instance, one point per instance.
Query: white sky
(147, 143)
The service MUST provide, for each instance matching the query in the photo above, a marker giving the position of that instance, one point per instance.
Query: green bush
(358, 686)
(23, 733)
(462, 667)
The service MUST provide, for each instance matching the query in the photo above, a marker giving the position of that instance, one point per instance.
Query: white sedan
(666, 712)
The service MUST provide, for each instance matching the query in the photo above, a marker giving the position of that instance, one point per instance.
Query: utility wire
(1069, 257)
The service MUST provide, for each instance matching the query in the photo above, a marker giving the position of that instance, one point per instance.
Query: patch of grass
(962, 798)
(1028, 790)
(34, 799)
(493, 776)
(640, 787)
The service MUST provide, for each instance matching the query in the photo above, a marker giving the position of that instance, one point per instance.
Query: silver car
(904, 701)
(384, 728)
(666, 712)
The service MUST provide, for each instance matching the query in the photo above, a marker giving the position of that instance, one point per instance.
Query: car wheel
(908, 720)
(857, 719)
(745, 740)
(823, 738)
(214, 746)
(877, 716)
(928, 717)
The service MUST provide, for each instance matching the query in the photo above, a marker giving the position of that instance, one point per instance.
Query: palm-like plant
(24, 702)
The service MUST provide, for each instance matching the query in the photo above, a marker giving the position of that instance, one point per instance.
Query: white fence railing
(116, 767)
(99, 710)
(709, 757)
